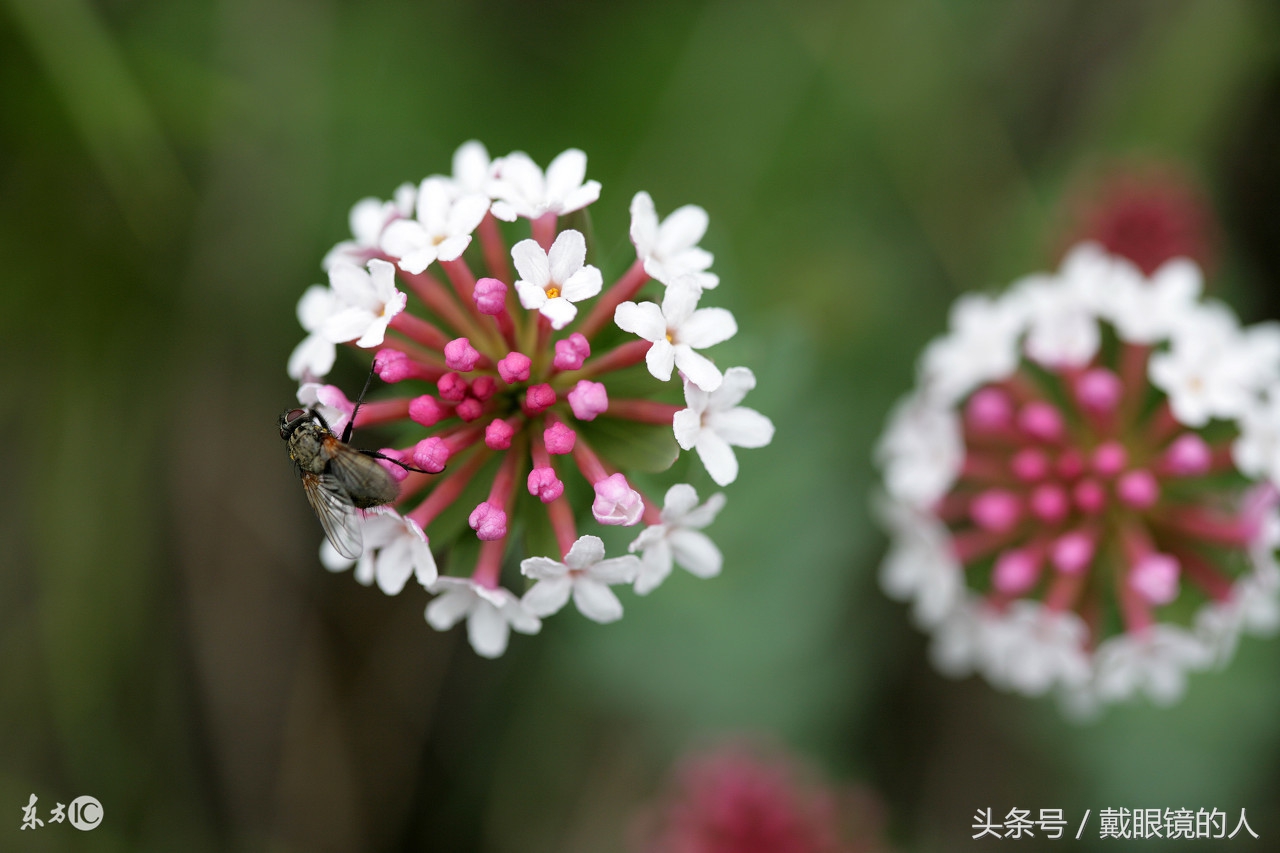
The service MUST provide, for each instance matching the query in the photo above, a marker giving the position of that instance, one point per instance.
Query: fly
(338, 479)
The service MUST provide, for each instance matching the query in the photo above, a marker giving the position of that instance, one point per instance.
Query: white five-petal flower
(394, 548)
(714, 424)
(521, 189)
(313, 358)
(678, 539)
(367, 302)
(551, 281)
(670, 248)
(442, 228)
(585, 574)
(491, 614)
(676, 329)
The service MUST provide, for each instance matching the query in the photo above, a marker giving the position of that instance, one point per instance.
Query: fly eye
(289, 420)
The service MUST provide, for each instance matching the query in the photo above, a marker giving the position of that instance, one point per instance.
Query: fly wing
(338, 515)
(366, 482)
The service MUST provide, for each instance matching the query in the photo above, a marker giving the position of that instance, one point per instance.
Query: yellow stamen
(552, 291)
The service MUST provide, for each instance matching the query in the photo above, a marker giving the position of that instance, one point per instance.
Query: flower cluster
(1081, 491)
(526, 387)
(745, 798)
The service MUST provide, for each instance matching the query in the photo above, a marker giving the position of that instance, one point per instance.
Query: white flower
(981, 347)
(1146, 311)
(677, 329)
(550, 282)
(1213, 368)
(473, 171)
(394, 548)
(367, 302)
(1257, 450)
(329, 401)
(1031, 649)
(441, 230)
(313, 358)
(585, 574)
(670, 249)
(1155, 661)
(714, 424)
(1062, 330)
(491, 614)
(520, 188)
(919, 565)
(677, 539)
(921, 451)
(367, 219)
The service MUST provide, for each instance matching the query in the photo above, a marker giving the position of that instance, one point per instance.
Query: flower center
(553, 291)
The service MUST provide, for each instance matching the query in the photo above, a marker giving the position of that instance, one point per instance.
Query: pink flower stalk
(502, 367)
(745, 799)
(1084, 498)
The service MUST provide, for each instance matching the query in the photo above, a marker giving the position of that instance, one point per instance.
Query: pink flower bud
(426, 410)
(588, 399)
(452, 387)
(1015, 571)
(460, 355)
(545, 485)
(1138, 489)
(488, 522)
(989, 409)
(996, 509)
(1110, 458)
(616, 502)
(397, 473)
(483, 387)
(1187, 456)
(539, 398)
(391, 365)
(1155, 578)
(490, 296)
(431, 454)
(497, 435)
(470, 409)
(1070, 463)
(1041, 420)
(1050, 503)
(559, 439)
(1089, 496)
(1072, 552)
(1099, 390)
(571, 352)
(514, 368)
(1030, 464)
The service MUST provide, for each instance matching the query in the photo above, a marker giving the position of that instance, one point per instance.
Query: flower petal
(616, 569)
(448, 608)
(567, 254)
(699, 369)
(644, 319)
(737, 382)
(696, 552)
(488, 631)
(583, 284)
(688, 426)
(585, 553)
(559, 311)
(542, 568)
(708, 327)
(717, 457)
(742, 427)
(531, 262)
(547, 596)
(661, 358)
(596, 601)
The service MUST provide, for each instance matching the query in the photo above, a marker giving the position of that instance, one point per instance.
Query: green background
(172, 173)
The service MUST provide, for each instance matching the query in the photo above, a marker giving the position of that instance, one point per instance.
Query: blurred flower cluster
(745, 798)
(530, 393)
(1081, 490)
